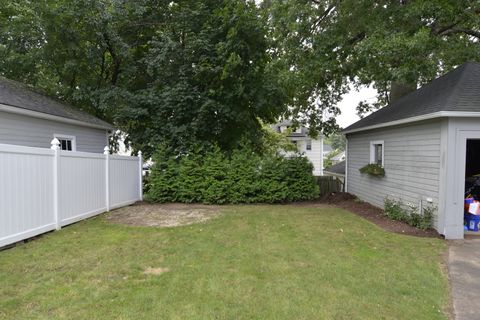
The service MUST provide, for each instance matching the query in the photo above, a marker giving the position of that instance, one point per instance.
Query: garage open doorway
(472, 187)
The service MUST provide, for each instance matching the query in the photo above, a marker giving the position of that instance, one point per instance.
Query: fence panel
(44, 189)
(82, 186)
(124, 180)
(329, 184)
(26, 193)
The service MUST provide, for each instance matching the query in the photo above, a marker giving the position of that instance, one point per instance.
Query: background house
(33, 120)
(338, 158)
(312, 148)
(422, 140)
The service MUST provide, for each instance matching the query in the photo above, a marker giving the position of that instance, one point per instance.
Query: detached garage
(428, 143)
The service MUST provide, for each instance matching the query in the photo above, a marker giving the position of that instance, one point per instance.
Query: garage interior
(472, 187)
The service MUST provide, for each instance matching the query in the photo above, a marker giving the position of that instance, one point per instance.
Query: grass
(253, 262)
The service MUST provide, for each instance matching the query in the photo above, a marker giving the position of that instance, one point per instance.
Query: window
(309, 144)
(377, 153)
(67, 143)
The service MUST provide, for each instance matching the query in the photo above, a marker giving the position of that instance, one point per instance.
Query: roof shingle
(16, 94)
(458, 90)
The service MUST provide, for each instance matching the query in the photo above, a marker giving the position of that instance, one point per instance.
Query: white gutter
(46, 116)
(435, 115)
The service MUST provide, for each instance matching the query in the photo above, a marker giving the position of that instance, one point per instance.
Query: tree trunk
(399, 89)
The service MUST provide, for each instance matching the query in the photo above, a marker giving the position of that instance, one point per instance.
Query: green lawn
(253, 262)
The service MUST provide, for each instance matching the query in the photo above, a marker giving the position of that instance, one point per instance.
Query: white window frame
(60, 136)
(372, 151)
(308, 144)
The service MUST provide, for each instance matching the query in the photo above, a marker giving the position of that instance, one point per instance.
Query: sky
(349, 103)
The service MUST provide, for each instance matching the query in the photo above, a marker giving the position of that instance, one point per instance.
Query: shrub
(163, 179)
(243, 176)
(409, 213)
(394, 210)
(428, 216)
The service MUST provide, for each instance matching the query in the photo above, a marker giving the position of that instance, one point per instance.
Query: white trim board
(372, 151)
(435, 115)
(46, 116)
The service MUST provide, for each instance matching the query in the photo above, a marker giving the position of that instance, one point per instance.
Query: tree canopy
(179, 72)
(393, 45)
(186, 72)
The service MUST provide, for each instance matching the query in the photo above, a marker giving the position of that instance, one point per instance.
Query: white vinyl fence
(44, 189)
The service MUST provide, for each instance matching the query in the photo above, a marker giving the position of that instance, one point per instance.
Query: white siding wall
(412, 163)
(315, 155)
(33, 132)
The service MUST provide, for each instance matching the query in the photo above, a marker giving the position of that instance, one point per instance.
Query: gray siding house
(427, 142)
(33, 120)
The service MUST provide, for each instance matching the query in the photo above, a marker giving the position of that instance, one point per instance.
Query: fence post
(55, 146)
(140, 173)
(106, 152)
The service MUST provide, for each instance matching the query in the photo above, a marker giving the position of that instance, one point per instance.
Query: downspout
(345, 187)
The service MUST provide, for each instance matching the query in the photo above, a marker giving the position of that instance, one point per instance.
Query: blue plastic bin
(472, 222)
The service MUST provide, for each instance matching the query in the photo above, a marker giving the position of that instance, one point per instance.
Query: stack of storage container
(472, 204)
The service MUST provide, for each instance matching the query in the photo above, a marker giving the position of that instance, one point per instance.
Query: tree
(212, 77)
(85, 52)
(177, 72)
(393, 45)
(337, 141)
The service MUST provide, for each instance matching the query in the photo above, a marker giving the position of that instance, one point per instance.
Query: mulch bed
(375, 215)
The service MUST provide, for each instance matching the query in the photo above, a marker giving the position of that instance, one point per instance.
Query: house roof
(17, 95)
(289, 123)
(339, 156)
(338, 168)
(456, 91)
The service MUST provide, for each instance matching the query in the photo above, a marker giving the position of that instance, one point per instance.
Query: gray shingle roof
(338, 168)
(289, 123)
(458, 90)
(16, 94)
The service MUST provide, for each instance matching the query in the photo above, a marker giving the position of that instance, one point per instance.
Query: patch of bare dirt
(155, 271)
(162, 215)
(373, 214)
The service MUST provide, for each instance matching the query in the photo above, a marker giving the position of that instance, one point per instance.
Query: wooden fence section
(329, 184)
(45, 189)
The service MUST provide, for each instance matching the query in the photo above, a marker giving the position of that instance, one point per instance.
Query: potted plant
(373, 169)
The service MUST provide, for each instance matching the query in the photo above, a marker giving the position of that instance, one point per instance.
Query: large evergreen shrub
(243, 176)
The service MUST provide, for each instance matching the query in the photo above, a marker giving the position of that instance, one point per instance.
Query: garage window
(67, 143)
(377, 152)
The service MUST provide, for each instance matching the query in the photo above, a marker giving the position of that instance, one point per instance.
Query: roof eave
(435, 115)
(334, 173)
(46, 116)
